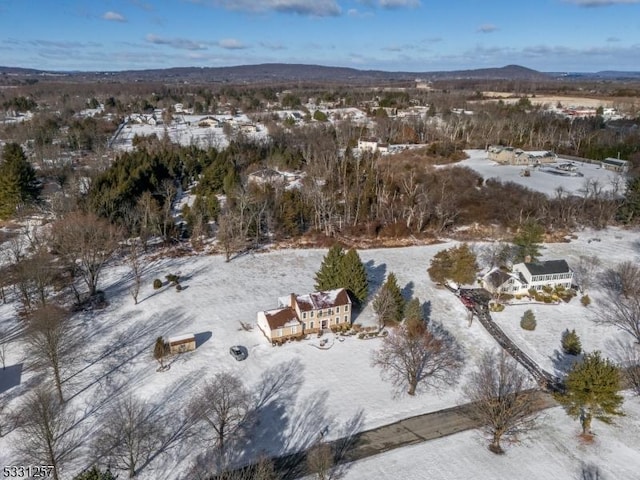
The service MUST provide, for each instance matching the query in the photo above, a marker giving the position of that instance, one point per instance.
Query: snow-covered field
(552, 451)
(541, 181)
(186, 131)
(337, 387)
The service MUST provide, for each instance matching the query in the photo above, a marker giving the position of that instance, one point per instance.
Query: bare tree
(384, 305)
(135, 263)
(412, 358)
(623, 279)
(500, 398)
(223, 405)
(130, 434)
(52, 344)
(621, 312)
(4, 341)
(628, 358)
(585, 271)
(320, 460)
(86, 243)
(34, 277)
(47, 425)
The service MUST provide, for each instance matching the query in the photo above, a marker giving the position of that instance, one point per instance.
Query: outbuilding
(182, 343)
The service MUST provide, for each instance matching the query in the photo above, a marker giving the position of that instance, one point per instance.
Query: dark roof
(548, 268)
(281, 317)
(497, 278)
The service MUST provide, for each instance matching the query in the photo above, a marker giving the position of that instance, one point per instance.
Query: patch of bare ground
(586, 438)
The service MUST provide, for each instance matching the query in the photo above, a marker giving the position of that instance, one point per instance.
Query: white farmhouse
(529, 275)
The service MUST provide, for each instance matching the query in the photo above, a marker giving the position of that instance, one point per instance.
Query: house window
(279, 332)
(304, 314)
(337, 309)
(337, 320)
(294, 329)
(346, 318)
(311, 324)
(319, 313)
(346, 308)
(311, 313)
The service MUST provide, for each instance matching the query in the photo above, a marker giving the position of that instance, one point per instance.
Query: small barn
(182, 343)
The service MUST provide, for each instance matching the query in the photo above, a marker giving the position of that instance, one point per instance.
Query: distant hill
(281, 72)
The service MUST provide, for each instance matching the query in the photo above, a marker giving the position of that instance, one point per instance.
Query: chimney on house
(292, 301)
(527, 259)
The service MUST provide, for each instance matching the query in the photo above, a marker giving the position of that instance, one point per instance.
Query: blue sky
(396, 35)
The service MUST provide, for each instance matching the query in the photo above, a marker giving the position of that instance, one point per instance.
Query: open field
(541, 181)
(335, 388)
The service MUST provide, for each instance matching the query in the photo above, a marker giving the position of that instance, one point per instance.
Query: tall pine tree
(591, 391)
(18, 185)
(354, 276)
(389, 302)
(329, 277)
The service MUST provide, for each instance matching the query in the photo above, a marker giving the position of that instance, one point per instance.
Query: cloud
(613, 39)
(487, 28)
(314, 8)
(114, 17)
(272, 46)
(399, 3)
(601, 3)
(179, 43)
(231, 44)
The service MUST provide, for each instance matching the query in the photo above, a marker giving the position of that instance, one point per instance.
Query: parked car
(238, 352)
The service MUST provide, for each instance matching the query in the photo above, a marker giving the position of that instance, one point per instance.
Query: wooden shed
(182, 343)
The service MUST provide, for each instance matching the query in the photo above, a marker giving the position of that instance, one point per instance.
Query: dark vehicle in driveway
(239, 352)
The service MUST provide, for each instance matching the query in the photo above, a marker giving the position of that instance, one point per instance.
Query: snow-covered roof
(187, 337)
(319, 300)
(281, 317)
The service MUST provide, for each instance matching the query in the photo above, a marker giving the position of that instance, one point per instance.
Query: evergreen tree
(591, 391)
(330, 277)
(528, 241)
(457, 264)
(160, 351)
(18, 185)
(571, 344)
(528, 320)
(389, 302)
(630, 208)
(414, 317)
(354, 276)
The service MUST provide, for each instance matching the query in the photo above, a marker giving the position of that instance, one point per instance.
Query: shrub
(528, 321)
(548, 299)
(571, 344)
(585, 300)
(171, 278)
(157, 283)
(178, 287)
(496, 307)
(361, 335)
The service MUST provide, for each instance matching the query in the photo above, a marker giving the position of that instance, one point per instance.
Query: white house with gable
(529, 275)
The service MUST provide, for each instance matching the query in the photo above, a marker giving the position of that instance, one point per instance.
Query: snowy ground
(541, 181)
(552, 451)
(337, 387)
(186, 131)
